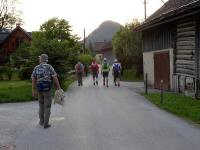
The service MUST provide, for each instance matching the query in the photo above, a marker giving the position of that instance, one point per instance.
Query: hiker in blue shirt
(116, 70)
(42, 77)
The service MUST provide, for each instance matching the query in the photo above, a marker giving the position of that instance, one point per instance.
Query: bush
(25, 73)
(130, 75)
(9, 72)
(85, 58)
(2, 69)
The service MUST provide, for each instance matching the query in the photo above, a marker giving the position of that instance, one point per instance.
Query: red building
(10, 41)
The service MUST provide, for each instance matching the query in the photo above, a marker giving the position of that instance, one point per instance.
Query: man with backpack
(105, 71)
(41, 87)
(116, 69)
(79, 69)
(95, 71)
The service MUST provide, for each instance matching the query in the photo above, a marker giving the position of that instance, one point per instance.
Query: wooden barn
(171, 46)
(10, 41)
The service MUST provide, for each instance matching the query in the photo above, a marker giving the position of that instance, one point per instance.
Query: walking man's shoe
(96, 82)
(41, 123)
(47, 126)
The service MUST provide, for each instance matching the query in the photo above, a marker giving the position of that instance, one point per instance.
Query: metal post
(161, 91)
(179, 90)
(146, 84)
(84, 51)
(197, 88)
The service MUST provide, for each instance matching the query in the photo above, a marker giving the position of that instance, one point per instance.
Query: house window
(17, 43)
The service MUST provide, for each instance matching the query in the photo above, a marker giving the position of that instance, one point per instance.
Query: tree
(9, 16)
(85, 59)
(58, 29)
(128, 47)
(55, 40)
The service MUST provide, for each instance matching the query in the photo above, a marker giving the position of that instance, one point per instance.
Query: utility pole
(84, 43)
(145, 9)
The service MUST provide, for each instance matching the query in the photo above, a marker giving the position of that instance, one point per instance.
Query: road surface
(98, 118)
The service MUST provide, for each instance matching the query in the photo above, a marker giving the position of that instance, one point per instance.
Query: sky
(80, 14)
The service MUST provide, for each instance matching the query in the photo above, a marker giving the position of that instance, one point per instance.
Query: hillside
(104, 32)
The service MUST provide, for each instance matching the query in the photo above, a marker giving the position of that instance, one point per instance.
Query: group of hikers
(95, 69)
(44, 75)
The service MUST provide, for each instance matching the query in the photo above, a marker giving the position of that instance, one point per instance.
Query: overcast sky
(88, 14)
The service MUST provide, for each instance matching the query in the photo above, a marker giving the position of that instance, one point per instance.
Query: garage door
(161, 70)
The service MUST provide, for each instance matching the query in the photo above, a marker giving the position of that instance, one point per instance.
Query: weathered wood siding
(185, 47)
(185, 66)
(12, 43)
(159, 38)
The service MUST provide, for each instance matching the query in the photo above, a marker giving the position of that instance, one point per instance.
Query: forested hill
(104, 32)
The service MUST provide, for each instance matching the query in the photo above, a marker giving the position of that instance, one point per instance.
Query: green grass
(20, 91)
(182, 106)
(68, 82)
(130, 75)
(15, 91)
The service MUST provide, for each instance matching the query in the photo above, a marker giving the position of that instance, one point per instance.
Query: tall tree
(9, 16)
(128, 47)
(59, 29)
(54, 39)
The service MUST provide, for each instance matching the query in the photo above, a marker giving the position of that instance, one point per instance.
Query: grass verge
(182, 106)
(68, 82)
(21, 91)
(130, 75)
(15, 91)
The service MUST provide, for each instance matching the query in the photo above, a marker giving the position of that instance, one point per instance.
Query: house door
(161, 70)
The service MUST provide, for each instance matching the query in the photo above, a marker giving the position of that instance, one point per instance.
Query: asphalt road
(100, 118)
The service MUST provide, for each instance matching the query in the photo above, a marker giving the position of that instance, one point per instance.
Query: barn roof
(5, 34)
(98, 46)
(171, 10)
(107, 47)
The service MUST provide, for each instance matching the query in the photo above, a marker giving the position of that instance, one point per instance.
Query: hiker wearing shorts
(95, 71)
(105, 72)
(116, 69)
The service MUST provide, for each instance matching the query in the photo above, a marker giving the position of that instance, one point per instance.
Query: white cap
(105, 59)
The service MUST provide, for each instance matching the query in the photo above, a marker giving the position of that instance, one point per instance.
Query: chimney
(17, 24)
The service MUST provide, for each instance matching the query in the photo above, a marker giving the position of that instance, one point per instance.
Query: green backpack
(105, 66)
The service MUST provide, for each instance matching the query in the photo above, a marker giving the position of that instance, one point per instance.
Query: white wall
(148, 65)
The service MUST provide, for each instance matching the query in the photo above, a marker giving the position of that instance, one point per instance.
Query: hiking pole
(161, 91)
